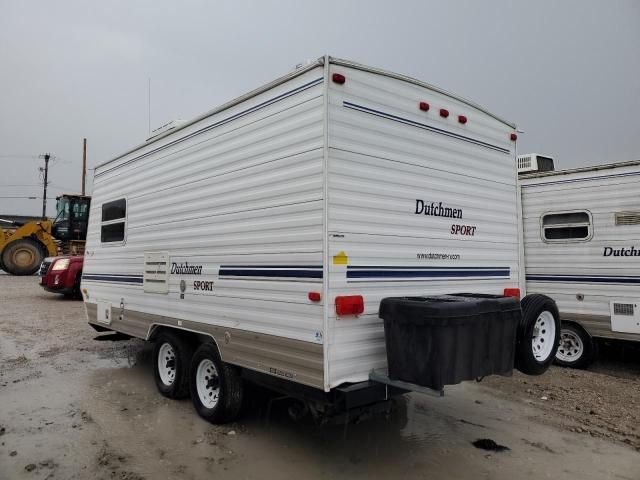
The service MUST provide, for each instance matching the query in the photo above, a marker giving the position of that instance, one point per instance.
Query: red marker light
(338, 78)
(350, 305)
(513, 137)
(314, 296)
(444, 112)
(462, 119)
(512, 292)
(424, 106)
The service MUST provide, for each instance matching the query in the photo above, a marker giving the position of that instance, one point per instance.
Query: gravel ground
(77, 406)
(603, 401)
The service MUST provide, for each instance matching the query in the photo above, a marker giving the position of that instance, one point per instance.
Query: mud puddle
(136, 433)
(75, 408)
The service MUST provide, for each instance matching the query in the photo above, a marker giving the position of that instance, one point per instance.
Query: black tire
(176, 352)
(77, 294)
(22, 257)
(576, 348)
(225, 389)
(535, 358)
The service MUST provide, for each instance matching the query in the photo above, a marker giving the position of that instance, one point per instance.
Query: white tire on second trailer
(576, 348)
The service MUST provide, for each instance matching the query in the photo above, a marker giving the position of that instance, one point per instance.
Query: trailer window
(114, 210)
(566, 226)
(114, 219)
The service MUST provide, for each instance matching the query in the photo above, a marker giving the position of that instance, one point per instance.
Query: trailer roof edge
(263, 88)
(293, 74)
(590, 168)
(415, 81)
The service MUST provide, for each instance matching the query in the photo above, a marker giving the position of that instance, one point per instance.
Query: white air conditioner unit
(534, 162)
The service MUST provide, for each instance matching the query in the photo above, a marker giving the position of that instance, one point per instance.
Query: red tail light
(350, 305)
(513, 137)
(338, 78)
(444, 112)
(462, 119)
(314, 296)
(424, 106)
(512, 292)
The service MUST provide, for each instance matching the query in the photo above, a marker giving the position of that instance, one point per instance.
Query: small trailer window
(113, 221)
(566, 226)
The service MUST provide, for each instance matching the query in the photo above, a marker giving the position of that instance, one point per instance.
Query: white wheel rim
(544, 332)
(167, 364)
(570, 348)
(208, 383)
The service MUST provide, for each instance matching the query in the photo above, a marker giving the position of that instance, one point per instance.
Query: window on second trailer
(114, 220)
(566, 226)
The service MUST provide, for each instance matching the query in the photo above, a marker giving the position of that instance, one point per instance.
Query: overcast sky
(566, 72)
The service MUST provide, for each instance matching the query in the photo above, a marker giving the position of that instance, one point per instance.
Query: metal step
(381, 376)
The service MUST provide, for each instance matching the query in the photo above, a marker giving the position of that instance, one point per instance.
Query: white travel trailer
(581, 245)
(258, 240)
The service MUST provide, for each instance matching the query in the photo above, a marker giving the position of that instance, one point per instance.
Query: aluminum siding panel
(378, 167)
(247, 192)
(264, 353)
(601, 192)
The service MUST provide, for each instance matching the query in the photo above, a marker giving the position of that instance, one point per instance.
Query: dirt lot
(75, 407)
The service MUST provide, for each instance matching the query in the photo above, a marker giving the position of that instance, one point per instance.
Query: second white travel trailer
(582, 248)
(260, 240)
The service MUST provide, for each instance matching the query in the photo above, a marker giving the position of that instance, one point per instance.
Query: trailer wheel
(77, 292)
(22, 257)
(538, 334)
(576, 348)
(171, 358)
(216, 388)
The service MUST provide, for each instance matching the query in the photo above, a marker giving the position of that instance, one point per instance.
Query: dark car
(62, 275)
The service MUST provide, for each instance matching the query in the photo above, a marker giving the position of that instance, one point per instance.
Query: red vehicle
(62, 275)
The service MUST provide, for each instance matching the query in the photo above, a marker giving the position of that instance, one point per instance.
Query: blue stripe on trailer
(584, 279)
(424, 126)
(113, 278)
(275, 272)
(428, 273)
(387, 267)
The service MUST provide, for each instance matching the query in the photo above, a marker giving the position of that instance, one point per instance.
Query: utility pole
(149, 103)
(84, 163)
(46, 157)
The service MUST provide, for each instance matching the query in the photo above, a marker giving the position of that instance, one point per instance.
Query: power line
(60, 186)
(34, 157)
(21, 184)
(27, 198)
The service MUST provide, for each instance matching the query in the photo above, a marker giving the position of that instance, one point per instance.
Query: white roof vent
(166, 128)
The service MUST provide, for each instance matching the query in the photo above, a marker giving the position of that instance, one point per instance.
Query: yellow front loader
(24, 246)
